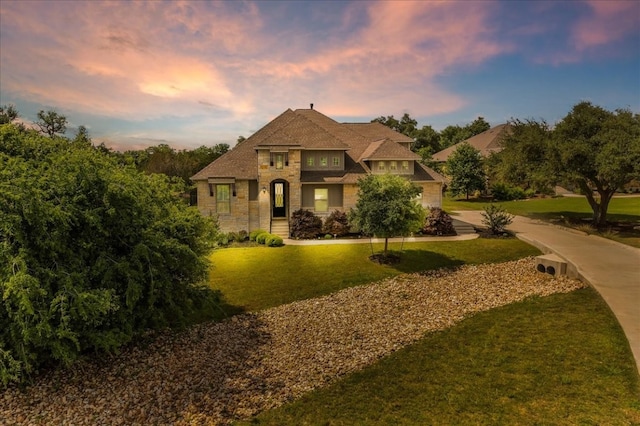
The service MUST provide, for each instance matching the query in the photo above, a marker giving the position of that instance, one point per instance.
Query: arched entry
(279, 198)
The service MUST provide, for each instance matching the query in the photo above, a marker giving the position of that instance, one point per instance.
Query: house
(486, 142)
(304, 159)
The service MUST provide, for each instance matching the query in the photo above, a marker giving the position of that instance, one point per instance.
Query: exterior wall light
(264, 189)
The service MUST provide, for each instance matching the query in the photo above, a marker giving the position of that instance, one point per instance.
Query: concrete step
(463, 228)
(280, 228)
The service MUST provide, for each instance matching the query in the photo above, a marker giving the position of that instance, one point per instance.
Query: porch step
(280, 228)
(463, 228)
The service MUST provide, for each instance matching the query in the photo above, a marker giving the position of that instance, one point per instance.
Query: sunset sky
(194, 73)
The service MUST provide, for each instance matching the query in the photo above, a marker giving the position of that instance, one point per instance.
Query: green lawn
(569, 211)
(557, 360)
(255, 278)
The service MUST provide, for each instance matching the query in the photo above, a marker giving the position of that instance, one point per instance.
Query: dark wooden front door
(279, 199)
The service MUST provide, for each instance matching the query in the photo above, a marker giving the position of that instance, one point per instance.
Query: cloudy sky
(189, 73)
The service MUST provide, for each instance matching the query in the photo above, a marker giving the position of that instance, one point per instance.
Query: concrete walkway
(612, 268)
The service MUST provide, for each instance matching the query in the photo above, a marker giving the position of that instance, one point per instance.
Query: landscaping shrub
(255, 233)
(261, 238)
(273, 241)
(305, 224)
(504, 192)
(496, 218)
(222, 239)
(92, 253)
(438, 222)
(242, 236)
(336, 224)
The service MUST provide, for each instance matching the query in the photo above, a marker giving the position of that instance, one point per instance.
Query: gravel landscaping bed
(216, 373)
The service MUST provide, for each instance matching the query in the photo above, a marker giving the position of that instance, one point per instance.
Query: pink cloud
(609, 22)
(145, 60)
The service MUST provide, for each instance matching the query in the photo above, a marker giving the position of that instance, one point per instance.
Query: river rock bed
(215, 373)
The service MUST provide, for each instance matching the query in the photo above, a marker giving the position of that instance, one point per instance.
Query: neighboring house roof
(308, 129)
(486, 142)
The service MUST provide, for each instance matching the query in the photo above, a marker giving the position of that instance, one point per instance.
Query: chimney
(311, 105)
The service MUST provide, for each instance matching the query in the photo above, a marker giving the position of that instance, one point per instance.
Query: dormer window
(336, 161)
(393, 166)
(324, 161)
(311, 161)
(405, 166)
(381, 166)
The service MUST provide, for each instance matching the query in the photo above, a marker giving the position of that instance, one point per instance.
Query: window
(336, 161)
(311, 161)
(381, 165)
(393, 166)
(405, 166)
(279, 160)
(321, 199)
(324, 161)
(223, 199)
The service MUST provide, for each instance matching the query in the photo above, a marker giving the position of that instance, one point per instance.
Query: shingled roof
(486, 142)
(310, 129)
(386, 149)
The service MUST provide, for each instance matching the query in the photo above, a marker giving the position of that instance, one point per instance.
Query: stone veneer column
(268, 173)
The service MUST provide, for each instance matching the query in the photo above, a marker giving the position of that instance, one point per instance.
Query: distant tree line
(428, 141)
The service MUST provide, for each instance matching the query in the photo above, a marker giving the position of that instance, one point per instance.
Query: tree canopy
(597, 150)
(387, 207)
(51, 123)
(466, 170)
(91, 252)
(525, 160)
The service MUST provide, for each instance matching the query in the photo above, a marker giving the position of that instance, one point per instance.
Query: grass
(255, 278)
(557, 360)
(569, 211)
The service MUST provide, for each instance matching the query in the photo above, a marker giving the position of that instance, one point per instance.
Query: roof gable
(386, 149)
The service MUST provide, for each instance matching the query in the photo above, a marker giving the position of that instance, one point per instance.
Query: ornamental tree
(387, 207)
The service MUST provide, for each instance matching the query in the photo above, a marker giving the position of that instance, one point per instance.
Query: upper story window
(279, 160)
(381, 165)
(405, 166)
(322, 160)
(393, 166)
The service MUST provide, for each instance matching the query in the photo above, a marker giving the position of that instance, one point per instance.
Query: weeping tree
(387, 207)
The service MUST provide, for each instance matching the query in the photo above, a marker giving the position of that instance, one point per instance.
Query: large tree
(599, 150)
(387, 207)
(91, 252)
(465, 170)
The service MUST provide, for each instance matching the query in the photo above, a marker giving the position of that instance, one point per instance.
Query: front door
(278, 200)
